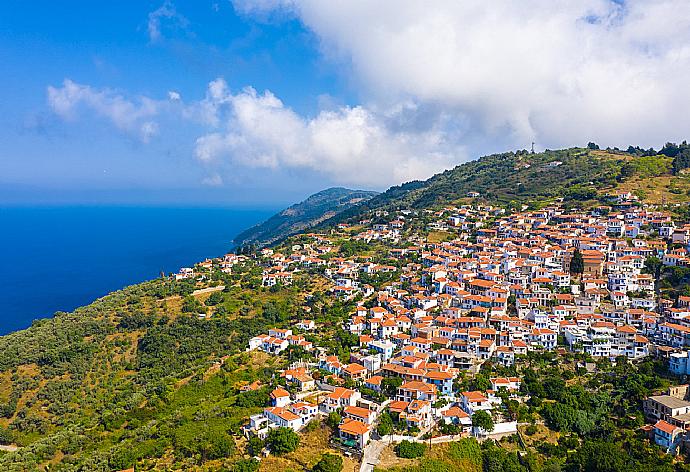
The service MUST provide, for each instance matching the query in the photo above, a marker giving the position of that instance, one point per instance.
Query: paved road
(372, 454)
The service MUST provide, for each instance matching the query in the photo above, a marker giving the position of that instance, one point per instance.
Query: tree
(334, 419)
(598, 456)
(282, 440)
(253, 398)
(390, 385)
(577, 263)
(246, 465)
(214, 299)
(210, 440)
(481, 383)
(254, 446)
(410, 450)
(6, 436)
(593, 146)
(329, 463)
(385, 426)
(482, 419)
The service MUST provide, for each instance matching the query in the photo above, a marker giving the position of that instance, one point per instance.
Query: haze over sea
(59, 258)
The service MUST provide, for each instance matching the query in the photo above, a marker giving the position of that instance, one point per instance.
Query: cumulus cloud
(556, 72)
(134, 117)
(352, 145)
(166, 14)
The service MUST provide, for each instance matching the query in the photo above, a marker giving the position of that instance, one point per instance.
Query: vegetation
(482, 419)
(577, 264)
(137, 378)
(410, 450)
(303, 215)
(282, 440)
(329, 463)
(580, 176)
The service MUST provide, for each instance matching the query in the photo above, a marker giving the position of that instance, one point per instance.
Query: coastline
(64, 257)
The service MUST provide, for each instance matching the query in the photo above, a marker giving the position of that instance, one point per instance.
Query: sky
(251, 102)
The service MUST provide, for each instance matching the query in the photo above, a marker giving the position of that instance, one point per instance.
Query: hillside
(156, 375)
(308, 213)
(515, 178)
(140, 377)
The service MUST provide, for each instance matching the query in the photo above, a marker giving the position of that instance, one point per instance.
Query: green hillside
(516, 178)
(301, 216)
(140, 377)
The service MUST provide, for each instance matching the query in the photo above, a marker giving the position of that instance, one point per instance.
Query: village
(497, 286)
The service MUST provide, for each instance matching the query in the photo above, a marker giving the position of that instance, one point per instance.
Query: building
(667, 436)
(665, 407)
(354, 433)
(280, 397)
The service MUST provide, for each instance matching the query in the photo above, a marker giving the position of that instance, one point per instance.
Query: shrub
(329, 463)
(410, 450)
(246, 465)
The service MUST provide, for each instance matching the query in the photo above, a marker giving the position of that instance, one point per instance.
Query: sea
(59, 258)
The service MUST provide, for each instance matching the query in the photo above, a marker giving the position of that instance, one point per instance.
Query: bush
(246, 465)
(410, 450)
(531, 430)
(5, 436)
(329, 463)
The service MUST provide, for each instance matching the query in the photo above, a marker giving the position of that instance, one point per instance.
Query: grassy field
(439, 236)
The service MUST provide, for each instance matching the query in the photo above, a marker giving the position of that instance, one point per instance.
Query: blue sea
(58, 258)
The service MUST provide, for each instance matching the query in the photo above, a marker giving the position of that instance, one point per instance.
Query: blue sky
(266, 101)
(111, 47)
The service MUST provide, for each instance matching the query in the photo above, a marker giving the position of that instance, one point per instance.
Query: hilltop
(303, 215)
(578, 176)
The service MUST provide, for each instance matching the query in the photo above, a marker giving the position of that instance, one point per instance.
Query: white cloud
(350, 145)
(131, 116)
(209, 109)
(165, 14)
(558, 72)
(174, 96)
(214, 180)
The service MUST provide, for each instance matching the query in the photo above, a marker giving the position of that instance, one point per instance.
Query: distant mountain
(317, 208)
